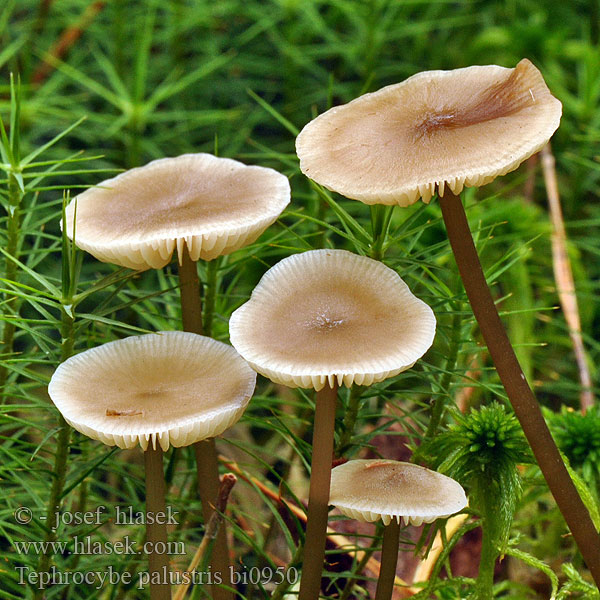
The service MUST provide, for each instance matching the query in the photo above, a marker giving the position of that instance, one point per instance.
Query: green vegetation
(88, 89)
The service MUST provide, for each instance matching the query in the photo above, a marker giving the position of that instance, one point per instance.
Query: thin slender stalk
(59, 470)
(211, 532)
(389, 559)
(563, 275)
(156, 533)
(207, 463)
(511, 375)
(283, 587)
(66, 40)
(426, 566)
(380, 222)
(362, 563)
(189, 289)
(13, 227)
(58, 483)
(82, 508)
(439, 405)
(487, 561)
(318, 497)
(208, 487)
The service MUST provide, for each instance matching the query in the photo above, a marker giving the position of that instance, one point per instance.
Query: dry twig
(68, 37)
(564, 277)
(212, 528)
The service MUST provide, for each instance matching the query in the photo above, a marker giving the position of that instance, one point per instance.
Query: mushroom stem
(156, 532)
(318, 497)
(389, 559)
(519, 393)
(207, 463)
(189, 289)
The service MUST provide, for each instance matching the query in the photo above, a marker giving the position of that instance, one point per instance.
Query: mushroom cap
(327, 315)
(456, 128)
(368, 490)
(175, 387)
(212, 205)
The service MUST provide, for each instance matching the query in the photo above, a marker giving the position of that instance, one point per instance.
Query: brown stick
(389, 560)
(212, 529)
(318, 497)
(189, 290)
(563, 275)
(68, 37)
(519, 393)
(156, 533)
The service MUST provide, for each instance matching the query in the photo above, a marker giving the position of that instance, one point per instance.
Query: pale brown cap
(435, 129)
(172, 387)
(211, 205)
(369, 490)
(330, 315)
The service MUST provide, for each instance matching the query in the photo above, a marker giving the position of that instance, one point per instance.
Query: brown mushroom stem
(207, 463)
(156, 532)
(318, 497)
(519, 393)
(389, 559)
(189, 289)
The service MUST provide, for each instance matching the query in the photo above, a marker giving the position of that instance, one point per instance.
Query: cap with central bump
(172, 387)
(330, 315)
(435, 129)
(369, 490)
(211, 205)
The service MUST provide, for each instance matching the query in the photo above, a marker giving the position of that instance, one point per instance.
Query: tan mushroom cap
(369, 490)
(435, 129)
(211, 205)
(330, 315)
(172, 387)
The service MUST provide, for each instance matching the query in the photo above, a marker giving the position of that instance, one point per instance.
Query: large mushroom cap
(456, 128)
(328, 315)
(368, 490)
(174, 387)
(212, 205)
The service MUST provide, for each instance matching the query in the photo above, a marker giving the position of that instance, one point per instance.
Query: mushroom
(206, 205)
(436, 130)
(441, 131)
(389, 490)
(318, 320)
(202, 207)
(154, 390)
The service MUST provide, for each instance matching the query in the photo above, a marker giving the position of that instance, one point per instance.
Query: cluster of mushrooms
(319, 319)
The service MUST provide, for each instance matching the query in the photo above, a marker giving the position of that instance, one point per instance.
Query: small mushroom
(330, 317)
(156, 390)
(391, 491)
(434, 130)
(318, 320)
(208, 205)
